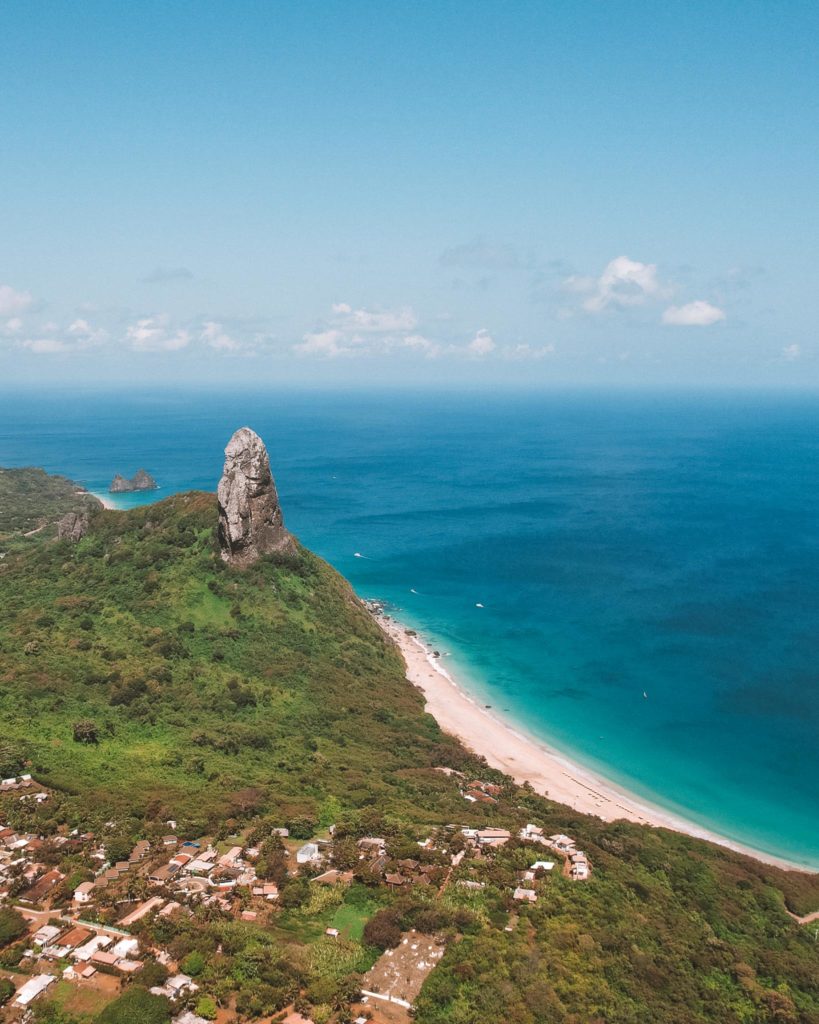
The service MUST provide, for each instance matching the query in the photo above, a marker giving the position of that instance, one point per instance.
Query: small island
(140, 481)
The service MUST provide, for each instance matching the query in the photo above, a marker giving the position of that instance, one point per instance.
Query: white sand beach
(527, 759)
(106, 501)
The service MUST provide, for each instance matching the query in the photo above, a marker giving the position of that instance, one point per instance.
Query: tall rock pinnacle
(250, 518)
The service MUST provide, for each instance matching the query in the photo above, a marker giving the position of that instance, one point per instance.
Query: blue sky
(478, 193)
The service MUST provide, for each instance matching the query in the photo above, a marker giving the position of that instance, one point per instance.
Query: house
(189, 1017)
(104, 958)
(560, 842)
(542, 865)
(42, 887)
(82, 894)
(532, 834)
(525, 895)
(580, 868)
(334, 877)
(493, 836)
(178, 985)
(230, 858)
(372, 846)
(308, 854)
(467, 883)
(332, 932)
(267, 890)
(32, 988)
(394, 880)
(163, 874)
(154, 903)
(85, 952)
(45, 935)
(170, 841)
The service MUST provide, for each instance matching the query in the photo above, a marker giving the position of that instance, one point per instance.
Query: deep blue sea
(619, 543)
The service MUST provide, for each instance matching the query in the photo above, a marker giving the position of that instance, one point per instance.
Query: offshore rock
(250, 517)
(140, 481)
(72, 526)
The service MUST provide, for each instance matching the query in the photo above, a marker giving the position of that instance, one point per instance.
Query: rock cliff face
(250, 517)
(73, 526)
(140, 481)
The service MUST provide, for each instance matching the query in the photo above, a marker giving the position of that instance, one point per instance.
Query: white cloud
(693, 314)
(482, 344)
(374, 322)
(86, 335)
(13, 302)
(328, 344)
(152, 334)
(13, 326)
(533, 352)
(214, 334)
(790, 353)
(364, 332)
(419, 343)
(623, 283)
(45, 346)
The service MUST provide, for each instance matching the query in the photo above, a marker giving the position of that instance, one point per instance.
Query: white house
(308, 854)
(32, 988)
(82, 894)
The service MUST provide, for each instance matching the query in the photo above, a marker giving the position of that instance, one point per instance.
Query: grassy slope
(212, 693)
(219, 694)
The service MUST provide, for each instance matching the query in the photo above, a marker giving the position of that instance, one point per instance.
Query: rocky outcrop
(73, 526)
(250, 517)
(140, 481)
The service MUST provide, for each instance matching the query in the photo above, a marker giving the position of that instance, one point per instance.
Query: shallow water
(619, 544)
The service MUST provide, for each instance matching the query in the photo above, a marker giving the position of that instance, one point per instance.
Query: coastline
(525, 758)
(105, 501)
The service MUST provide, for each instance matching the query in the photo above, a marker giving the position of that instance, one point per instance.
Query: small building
(32, 988)
(525, 895)
(532, 833)
(82, 894)
(308, 854)
(493, 836)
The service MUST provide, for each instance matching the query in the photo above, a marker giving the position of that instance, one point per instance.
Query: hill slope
(144, 680)
(30, 499)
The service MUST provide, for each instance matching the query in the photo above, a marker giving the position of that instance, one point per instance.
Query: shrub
(12, 925)
(382, 930)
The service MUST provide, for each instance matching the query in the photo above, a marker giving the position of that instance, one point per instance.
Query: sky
(453, 193)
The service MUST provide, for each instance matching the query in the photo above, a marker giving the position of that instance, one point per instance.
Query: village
(88, 940)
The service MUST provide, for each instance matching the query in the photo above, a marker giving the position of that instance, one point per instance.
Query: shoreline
(526, 758)
(105, 502)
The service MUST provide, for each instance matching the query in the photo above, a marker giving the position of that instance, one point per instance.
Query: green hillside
(31, 499)
(143, 680)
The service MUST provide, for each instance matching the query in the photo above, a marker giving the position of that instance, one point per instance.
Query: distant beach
(526, 759)
(106, 501)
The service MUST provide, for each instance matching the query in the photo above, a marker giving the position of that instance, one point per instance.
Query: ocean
(620, 545)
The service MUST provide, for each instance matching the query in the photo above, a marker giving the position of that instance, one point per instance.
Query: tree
(85, 731)
(206, 1008)
(12, 925)
(6, 990)
(382, 930)
(136, 1004)
(12, 757)
(193, 964)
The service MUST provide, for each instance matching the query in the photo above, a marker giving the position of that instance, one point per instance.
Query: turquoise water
(619, 544)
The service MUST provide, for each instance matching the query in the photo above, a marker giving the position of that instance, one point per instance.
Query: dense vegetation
(31, 499)
(143, 680)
